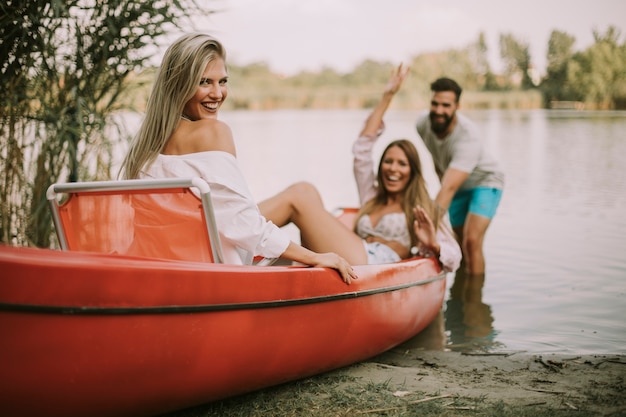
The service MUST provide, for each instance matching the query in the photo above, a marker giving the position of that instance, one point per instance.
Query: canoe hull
(88, 334)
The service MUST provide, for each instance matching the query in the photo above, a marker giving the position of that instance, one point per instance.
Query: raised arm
(374, 121)
(363, 166)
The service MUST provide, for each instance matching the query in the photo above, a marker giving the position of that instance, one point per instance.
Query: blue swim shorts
(482, 201)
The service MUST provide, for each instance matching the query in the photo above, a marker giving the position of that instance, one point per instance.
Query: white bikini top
(391, 226)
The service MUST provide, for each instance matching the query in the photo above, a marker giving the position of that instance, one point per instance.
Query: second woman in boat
(397, 219)
(395, 200)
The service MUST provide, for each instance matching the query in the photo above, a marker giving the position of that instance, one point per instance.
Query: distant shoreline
(309, 98)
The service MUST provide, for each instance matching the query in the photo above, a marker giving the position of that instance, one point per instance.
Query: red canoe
(109, 334)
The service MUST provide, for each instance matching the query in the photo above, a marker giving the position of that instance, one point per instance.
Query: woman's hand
(425, 232)
(374, 122)
(305, 256)
(396, 79)
(332, 260)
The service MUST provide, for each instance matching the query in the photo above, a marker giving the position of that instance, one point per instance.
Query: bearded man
(471, 179)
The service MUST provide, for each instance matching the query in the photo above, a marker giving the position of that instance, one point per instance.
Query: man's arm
(450, 183)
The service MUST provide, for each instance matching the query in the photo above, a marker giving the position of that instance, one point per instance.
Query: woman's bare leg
(319, 229)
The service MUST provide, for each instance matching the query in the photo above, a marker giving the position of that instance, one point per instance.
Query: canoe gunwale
(178, 309)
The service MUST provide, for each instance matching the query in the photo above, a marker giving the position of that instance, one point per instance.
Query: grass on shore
(334, 394)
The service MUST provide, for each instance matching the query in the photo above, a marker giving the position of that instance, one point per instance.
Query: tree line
(594, 77)
(68, 66)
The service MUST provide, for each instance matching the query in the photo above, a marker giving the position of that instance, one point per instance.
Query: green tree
(597, 75)
(516, 56)
(479, 55)
(369, 72)
(65, 65)
(560, 51)
(454, 63)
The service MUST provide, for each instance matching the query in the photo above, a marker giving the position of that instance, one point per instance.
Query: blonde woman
(181, 136)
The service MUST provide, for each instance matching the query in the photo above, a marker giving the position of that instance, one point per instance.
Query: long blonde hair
(414, 193)
(176, 82)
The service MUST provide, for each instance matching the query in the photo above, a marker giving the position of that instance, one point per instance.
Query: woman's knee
(303, 192)
(302, 187)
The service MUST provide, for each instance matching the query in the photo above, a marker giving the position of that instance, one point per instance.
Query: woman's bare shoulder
(203, 135)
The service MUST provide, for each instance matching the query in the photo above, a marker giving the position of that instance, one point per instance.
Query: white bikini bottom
(379, 253)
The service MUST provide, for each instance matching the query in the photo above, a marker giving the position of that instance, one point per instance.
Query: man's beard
(440, 127)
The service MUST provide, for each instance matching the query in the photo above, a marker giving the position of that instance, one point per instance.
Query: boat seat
(163, 218)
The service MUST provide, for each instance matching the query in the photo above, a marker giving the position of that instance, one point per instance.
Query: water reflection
(468, 320)
(465, 323)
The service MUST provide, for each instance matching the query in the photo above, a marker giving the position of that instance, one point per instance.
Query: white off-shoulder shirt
(450, 253)
(244, 232)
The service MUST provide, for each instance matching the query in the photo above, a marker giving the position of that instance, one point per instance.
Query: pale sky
(295, 35)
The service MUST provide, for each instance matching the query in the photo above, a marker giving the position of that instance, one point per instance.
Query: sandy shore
(426, 383)
(409, 381)
(593, 383)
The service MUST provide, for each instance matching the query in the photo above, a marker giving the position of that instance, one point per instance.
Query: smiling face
(211, 92)
(395, 171)
(443, 106)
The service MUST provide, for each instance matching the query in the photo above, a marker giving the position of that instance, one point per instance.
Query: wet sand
(594, 383)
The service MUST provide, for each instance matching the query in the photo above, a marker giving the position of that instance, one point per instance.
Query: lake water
(556, 250)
